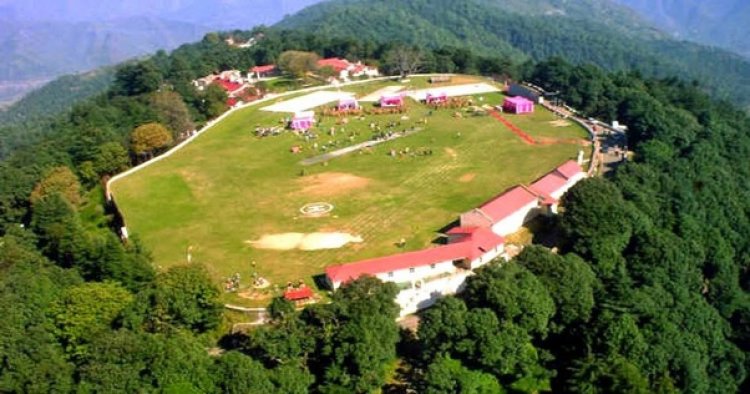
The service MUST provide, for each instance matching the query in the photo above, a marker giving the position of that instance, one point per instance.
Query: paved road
(349, 149)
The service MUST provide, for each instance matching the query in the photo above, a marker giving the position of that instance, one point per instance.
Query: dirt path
(524, 136)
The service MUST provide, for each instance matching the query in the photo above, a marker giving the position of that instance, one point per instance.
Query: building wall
(407, 276)
(514, 222)
(414, 299)
(487, 257)
(570, 183)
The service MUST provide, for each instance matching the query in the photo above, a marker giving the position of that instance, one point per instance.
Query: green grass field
(228, 187)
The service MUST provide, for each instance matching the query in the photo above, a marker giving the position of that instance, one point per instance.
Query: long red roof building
(474, 243)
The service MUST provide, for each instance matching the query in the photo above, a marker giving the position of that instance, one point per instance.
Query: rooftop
(335, 63)
(477, 242)
(508, 203)
(518, 100)
(263, 69)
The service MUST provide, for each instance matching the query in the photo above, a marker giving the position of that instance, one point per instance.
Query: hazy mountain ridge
(491, 25)
(34, 50)
(42, 39)
(724, 23)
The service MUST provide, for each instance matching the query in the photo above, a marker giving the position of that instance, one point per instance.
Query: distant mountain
(582, 31)
(218, 14)
(724, 23)
(34, 49)
(42, 39)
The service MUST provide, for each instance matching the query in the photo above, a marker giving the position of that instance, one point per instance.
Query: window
(411, 270)
(390, 274)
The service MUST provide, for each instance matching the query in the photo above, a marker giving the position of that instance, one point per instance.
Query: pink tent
(391, 100)
(303, 120)
(518, 105)
(348, 103)
(436, 98)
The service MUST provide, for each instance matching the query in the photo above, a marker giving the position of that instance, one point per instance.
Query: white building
(345, 69)
(557, 182)
(507, 213)
(426, 275)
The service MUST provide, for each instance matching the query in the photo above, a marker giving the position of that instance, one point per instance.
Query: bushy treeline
(580, 31)
(648, 292)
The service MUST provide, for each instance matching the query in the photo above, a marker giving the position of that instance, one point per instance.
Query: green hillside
(580, 31)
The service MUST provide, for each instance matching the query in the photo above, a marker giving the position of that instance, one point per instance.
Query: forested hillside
(579, 31)
(647, 292)
(723, 23)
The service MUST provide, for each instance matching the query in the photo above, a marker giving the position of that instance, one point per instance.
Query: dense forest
(580, 31)
(646, 292)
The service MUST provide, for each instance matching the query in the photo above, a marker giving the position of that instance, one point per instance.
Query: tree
(172, 112)
(236, 373)
(298, 63)
(292, 379)
(148, 138)
(185, 297)
(404, 60)
(442, 326)
(514, 294)
(570, 282)
(327, 72)
(281, 309)
(135, 79)
(58, 180)
(33, 359)
(61, 235)
(598, 224)
(119, 361)
(180, 364)
(446, 375)
(613, 375)
(110, 159)
(212, 102)
(86, 310)
(363, 342)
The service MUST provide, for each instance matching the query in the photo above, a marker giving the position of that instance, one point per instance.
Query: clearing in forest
(230, 188)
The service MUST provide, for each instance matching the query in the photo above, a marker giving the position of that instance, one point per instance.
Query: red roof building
(474, 244)
(508, 203)
(263, 69)
(569, 169)
(335, 63)
(555, 183)
(229, 86)
(302, 293)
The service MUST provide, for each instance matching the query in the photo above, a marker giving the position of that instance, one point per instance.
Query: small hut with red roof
(266, 71)
(299, 294)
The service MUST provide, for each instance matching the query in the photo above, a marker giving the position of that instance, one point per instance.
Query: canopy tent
(303, 120)
(518, 105)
